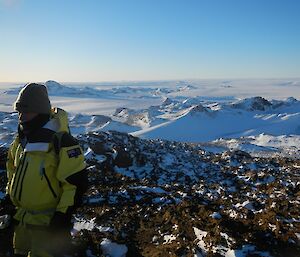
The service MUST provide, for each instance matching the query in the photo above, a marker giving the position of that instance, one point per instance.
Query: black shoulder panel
(68, 140)
(63, 139)
(42, 135)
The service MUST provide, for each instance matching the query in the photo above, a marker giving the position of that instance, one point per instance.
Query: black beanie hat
(33, 98)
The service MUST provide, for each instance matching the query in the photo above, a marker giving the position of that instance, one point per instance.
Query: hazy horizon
(156, 80)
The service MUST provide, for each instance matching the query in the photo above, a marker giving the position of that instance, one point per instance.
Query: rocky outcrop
(164, 198)
(155, 194)
(257, 103)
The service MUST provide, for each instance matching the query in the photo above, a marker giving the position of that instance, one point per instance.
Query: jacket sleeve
(10, 166)
(71, 173)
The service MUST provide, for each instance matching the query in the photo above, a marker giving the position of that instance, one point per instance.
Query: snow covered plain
(195, 194)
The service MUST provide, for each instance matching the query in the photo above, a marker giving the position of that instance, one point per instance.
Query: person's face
(26, 116)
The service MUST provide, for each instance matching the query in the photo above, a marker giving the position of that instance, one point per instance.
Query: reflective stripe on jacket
(37, 173)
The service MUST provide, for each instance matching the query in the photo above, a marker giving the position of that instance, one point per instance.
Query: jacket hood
(58, 121)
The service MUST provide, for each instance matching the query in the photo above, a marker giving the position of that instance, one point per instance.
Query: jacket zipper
(18, 174)
(23, 176)
(49, 184)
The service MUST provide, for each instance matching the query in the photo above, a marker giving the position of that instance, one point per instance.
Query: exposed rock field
(163, 198)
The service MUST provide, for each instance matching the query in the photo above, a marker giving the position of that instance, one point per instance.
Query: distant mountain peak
(55, 88)
(52, 83)
(198, 108)
(291, 100)
(256, 103)
(167, 101)
(121, 112)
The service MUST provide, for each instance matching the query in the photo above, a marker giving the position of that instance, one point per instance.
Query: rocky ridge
(155, 196)
(164, 198)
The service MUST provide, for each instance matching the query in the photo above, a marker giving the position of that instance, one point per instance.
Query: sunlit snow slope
(179, 111)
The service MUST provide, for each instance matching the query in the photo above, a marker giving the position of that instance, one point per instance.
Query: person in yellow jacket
(46, 176)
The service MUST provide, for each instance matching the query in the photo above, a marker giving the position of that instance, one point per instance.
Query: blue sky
(110, 40)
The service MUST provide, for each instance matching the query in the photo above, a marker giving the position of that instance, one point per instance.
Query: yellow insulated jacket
(37, 171)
